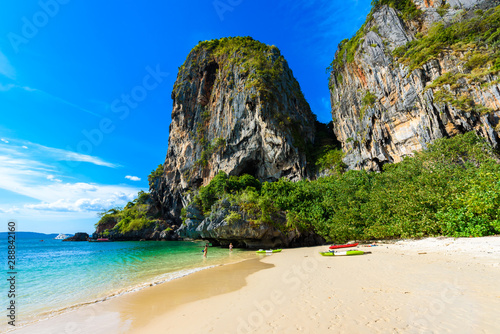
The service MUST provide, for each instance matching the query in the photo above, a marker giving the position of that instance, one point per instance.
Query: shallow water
(53, 276)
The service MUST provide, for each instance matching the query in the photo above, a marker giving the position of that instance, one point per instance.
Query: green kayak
(261, 251)
(344, 253)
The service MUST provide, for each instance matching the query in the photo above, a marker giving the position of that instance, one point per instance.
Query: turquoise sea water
(53, 276)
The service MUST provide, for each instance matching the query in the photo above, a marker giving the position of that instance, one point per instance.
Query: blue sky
(85, 91)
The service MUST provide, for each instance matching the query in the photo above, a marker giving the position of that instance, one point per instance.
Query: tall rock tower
(236, 108)
(417, 70)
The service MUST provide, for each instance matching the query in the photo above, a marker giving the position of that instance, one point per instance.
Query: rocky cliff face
(220, 229)
(236, 108)
(405, 80)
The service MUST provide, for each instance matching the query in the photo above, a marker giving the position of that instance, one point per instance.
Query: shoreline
(113, 315)
(47, 316)
(435, 284)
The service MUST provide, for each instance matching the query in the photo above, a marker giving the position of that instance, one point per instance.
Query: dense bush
(134, 216)
(223, 184)
(331, 158)
(452, 188)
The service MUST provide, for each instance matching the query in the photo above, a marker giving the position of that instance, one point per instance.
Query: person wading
(205, 251)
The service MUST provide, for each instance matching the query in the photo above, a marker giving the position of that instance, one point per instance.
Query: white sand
(435, 285)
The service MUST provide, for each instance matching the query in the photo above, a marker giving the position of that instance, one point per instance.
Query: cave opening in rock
(250, 167)
(210, 76)
(325, 137)
(196, 183)
(378, 165)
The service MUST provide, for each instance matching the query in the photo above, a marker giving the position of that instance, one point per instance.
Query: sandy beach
(434, 285)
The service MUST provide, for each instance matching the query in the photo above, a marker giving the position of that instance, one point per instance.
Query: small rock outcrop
(80, 236)
(220, 228)
(138, 220)
(390, 98)
(159, 231)
(236, 108)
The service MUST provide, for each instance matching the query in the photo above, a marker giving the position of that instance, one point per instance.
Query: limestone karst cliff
(236, 108)
(416, 71)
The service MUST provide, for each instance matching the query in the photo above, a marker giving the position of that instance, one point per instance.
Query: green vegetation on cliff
(407, 9)
(238, 73)
(473, 38)
(452, 188)
(263, 64)
(223, 184)
(474, 34)
(155, 174)
(133, 217)
(331, 159)
(347, 48)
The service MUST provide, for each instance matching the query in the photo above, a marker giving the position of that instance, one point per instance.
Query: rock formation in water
(416, 71)
(236, 108)
(138, 220)
(80, 236)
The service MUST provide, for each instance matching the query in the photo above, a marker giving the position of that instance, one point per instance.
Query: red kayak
(344, 246)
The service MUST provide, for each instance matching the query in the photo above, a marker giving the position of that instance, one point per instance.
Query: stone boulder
(220, 229)
(80, 236)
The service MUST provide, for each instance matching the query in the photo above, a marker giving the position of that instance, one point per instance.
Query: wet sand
(439, 285)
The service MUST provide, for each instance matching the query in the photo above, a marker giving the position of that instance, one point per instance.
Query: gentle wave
(56, 277)
(157, 280)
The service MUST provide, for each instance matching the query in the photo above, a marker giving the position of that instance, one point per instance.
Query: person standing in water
(205, 251)
(231, 247)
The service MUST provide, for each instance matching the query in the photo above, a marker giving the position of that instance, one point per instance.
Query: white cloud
(85, 204)
(53, 178)
(45, 95)
(133, 178)
(7, 87)
(6, 68)
(11, 210)
(40, 184)
(65, 155)
(56, 154)
(63, 101)
(33, 173)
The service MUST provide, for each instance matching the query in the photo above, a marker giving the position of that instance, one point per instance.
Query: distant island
(36, 235)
